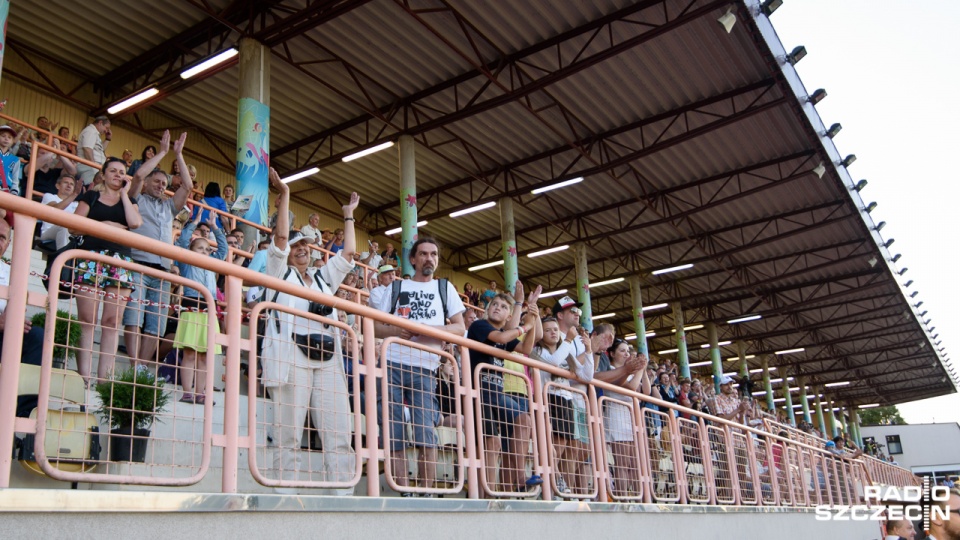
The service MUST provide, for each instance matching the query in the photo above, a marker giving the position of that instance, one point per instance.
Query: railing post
(371, 443)
(15, 312)
(600, 453)
(538, 402)
(231, 406)
(469, 425)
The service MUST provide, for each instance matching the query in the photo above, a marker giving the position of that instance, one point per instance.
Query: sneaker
(534, 481)
(408, 494)
(562, 485)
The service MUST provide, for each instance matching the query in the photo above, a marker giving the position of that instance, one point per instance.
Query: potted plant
(66, 335)
(129, 403)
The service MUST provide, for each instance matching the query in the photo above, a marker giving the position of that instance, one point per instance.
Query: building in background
(926, 449)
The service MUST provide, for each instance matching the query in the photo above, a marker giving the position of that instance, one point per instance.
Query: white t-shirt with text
(420, 302)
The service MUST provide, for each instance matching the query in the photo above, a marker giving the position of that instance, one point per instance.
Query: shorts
(86, 174)
(561, 416)
(192, 332)
(500, 410)
(618, 422)
(581, 432)
(104, 275)
(417, 387)
(144, 308)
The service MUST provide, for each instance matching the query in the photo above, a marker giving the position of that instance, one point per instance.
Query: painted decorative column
(831, 421)
(4, 10)
(253, 134)
(639, 324)
(820, 420)
(767, 385)
(791, 417)
(742, 355)
(715, 361)
(408, 201)
(804, 402)
(583, 285)
(508, 235)
(856, 425)
(683, 359)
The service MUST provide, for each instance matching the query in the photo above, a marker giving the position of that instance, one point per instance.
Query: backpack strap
(290, 270)
(442, 283)
(395, 295)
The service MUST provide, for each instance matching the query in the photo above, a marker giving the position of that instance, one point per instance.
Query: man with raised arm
(411, 371)
(158, 212)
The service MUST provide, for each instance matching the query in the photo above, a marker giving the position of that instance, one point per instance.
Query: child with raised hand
(192, 328)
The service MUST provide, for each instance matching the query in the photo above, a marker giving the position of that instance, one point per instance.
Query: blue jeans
(147, 317)
(500, 410)
(418, 388)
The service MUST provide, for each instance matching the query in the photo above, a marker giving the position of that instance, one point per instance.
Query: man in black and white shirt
(411, 370)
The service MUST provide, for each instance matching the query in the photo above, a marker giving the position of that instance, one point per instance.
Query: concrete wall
(924, 445)
(284, 517)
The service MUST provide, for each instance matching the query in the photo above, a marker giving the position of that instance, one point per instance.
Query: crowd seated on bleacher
(306, 364)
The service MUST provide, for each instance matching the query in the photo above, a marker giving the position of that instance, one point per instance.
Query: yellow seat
(72, 437)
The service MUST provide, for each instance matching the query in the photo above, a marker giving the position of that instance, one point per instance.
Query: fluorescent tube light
(655, 306)
(870, 406)
(700, 364)
(368, 151)
(604, 316)
(547, 251)
(668, 351)
(557, 292)
(558, 185)
(302, 174)
(607, 282)
(472, 209)
(400, 229)
(833, 384)
(747, 357)
(131, 101)
(719, 344)
(487, 265)
(671, 269)
(209, 63)
(744, 319)
(790, 351)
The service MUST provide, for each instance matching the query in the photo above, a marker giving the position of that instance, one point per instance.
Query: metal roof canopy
(697, 146)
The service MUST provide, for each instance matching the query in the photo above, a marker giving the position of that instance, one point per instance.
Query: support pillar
(856, 426)
(4, 10)
(408, 201)
(819, 403)
(831, 421)
(802, 383)
(683, 359)
(509, 237)
(253, 135)
(742, 356)
(767, 385)
(639, 324)
(583, 285)
(788, 397)
(716, 362)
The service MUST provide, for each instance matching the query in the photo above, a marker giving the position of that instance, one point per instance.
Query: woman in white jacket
(302, 357)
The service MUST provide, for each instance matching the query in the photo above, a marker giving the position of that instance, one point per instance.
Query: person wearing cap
(727, 405)
(312, 232)
(302, 357)
(386, 274)
(91, 148)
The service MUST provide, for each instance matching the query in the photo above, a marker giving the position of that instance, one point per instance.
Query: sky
(891, 74)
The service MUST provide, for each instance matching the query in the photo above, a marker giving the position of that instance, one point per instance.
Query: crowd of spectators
(421, 370)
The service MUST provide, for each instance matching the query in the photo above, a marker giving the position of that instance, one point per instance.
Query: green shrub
(131, 397)
(66, 334)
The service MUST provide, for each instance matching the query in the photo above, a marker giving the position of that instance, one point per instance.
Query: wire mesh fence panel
(720, 465)
(797, 471)
(833, 480)
(766, 478)
(620, 441)
(822, 478)
(661, 455)
(416, 442)
(780, 472)
(569, 434)
(744, 472)
(505, 431)
(112, 412)
(307, 427)
(695, 470)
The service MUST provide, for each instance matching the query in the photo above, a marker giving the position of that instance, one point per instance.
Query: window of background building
(893, 445)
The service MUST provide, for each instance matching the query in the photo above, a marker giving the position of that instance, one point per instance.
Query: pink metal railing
(679, 460)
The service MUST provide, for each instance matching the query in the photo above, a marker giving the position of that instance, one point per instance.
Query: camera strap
(321, 283)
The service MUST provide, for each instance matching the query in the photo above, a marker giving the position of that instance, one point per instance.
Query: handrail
(28, 211)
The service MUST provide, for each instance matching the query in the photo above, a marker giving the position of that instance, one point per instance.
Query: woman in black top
(111, 205)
